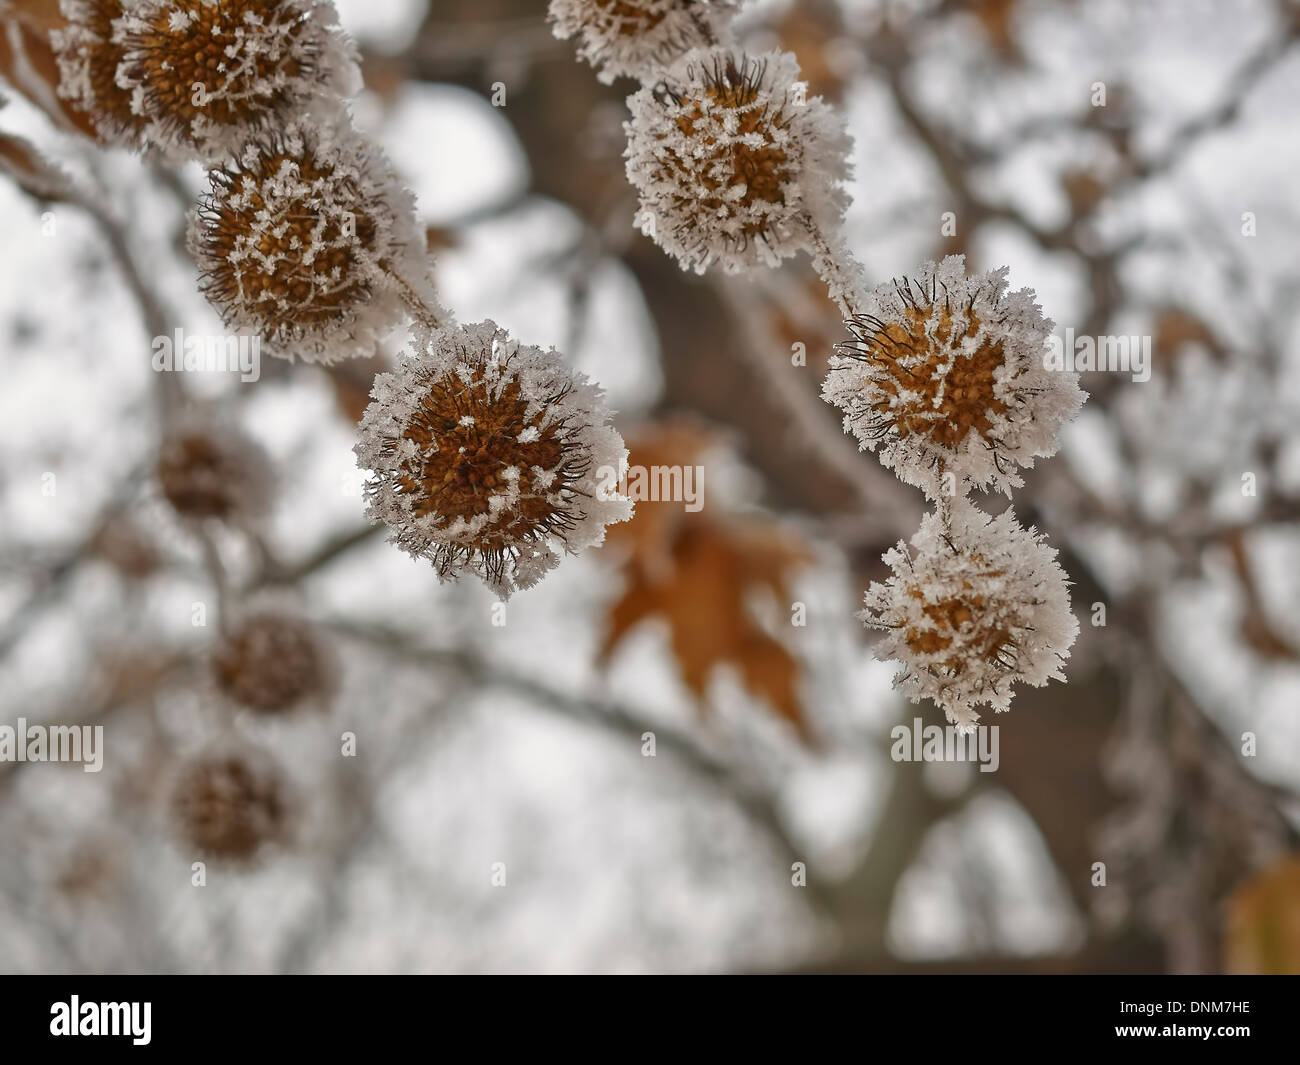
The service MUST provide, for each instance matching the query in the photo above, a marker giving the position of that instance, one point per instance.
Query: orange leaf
(648, 537)
(698, 574)
(1262, 933)
(996, 16)
(39, 14)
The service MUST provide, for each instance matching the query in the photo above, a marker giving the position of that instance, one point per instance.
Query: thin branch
(887, 506)
(274, 572)
(614, 717)
(156, 317)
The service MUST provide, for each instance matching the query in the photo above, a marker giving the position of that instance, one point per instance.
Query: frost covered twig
(275, 572)
(880, 499)
(56, 575)
(155, 315)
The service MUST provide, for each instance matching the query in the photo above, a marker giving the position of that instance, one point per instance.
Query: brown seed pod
(272, 663)
(205, 75)
(308, 239)
(491, 457)
(209, 472)
(124, 546)
(975, 605)
(88, 59)
(947, 380)
(734, 163)
(632, 38)
(228, 807)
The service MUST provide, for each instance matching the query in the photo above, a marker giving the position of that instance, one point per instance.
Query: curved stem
(836, 265)
(421, 310)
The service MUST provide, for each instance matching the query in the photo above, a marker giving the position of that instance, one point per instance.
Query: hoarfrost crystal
(490, 457)
(733, 162)
(205, 75)
(88, 59)
(309, 239)
(634, 38)
(947, 376)
(975, 605)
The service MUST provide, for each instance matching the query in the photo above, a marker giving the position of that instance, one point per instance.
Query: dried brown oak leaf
(699, 574)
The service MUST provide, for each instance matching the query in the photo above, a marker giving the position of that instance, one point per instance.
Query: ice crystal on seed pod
(211, 471)
(733, 163)
(308, 239)
(975, 605)
(490, 457)
(947, 376)
(272, 662)
(88, 59)
(633, 38)
(228, 807)
(205, 75)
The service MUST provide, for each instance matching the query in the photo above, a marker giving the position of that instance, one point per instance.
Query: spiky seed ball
(490, 457)
(975, 605)
(228, 807)
(271, 662)
(309, 240)
(88, 59)
(635, 38)
(209, 471)
(733, 163)
(947, 376)
(205, 75)
(124, 545)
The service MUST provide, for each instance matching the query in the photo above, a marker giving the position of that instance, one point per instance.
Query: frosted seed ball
(490, 457)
